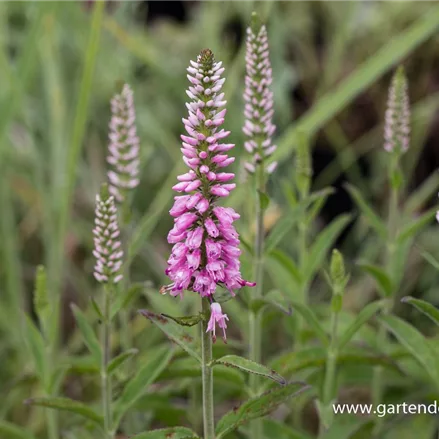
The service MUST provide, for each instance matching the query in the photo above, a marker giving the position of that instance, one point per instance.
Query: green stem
(330, 370)
(255, 319)
(105, 379)
(392, 230)
(207, 376)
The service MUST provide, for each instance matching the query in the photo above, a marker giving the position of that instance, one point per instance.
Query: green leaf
(413, 228)
(69, 405)
(138, 385)
(426, 308)
(264, 200)
(418, 198)
(316, 201)
(290, 266)
(345, 426)
(430, 259)
(120, 359)
(311, 320)
(96, 308)
(89, 336)
(258, 407)
(323, 243)
(175, 332)
(282, 227)
(363, 316)
(273, 298)
(123, 299)
(12, 431)
(37, 347)
(381, 278)
(167, 433)
(415, 343)
(278, 430)
(373, 219)
(186, 320)
(249, 366)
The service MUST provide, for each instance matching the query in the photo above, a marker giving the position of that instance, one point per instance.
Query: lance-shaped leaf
(316, 201)
(249, 366)
(258, 407)
(422, 194)
(282, 227)
(311, 320)
(87, 333)
(116, 362)
(415, 343)
(123, 299)
(430, 259)
(175, 332)
(137, 386)
(12, 431)
(69, 405)
(363, 316)
(426, 308)
(380, 276)
(287, 263)
(264, 200)
(186, 320)
(415, 226)
(167, 433)
(323, 243)
(279, 430)
(373, 219)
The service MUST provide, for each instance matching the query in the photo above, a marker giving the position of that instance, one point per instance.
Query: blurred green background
(60, 66)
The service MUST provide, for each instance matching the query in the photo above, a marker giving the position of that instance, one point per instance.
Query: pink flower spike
(205, 250)
(123, 147)
(258, 112)
(217, 317)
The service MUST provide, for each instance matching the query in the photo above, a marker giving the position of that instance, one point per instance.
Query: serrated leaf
(258, 407)
(37, 348)
(120, 359)
(69, 405)
(13, 431)
(312, 321)
(168, 433)
(415, 343)
(283, 259)
(175, 332)
(186, 320)
(137, 386)
(249, 366)
(322, 244)
(264, 200)
(415, 226)
(122, 300)
(380, 276)
(373, 219)
(426, 308)
(88, 335)
(363, 316)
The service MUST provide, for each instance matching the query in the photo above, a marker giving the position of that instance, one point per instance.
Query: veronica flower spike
(123, 149)
(258, 111)
(205, 251)
(397, 119)
(108, 248)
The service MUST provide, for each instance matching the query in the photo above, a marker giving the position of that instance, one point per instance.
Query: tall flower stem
(105, 378)
(207, 375)
(392, 230)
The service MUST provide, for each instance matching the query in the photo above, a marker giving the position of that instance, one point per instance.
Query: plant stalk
(105, 379)
(255, 319)
(207, 376)
(392, 230)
